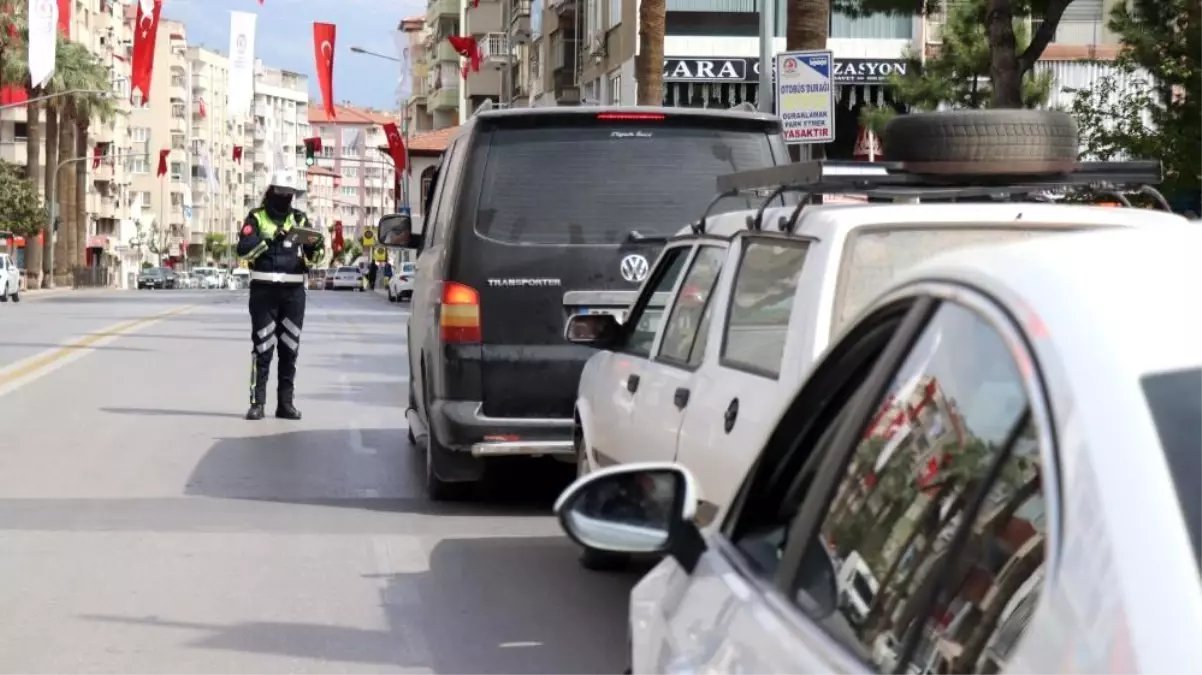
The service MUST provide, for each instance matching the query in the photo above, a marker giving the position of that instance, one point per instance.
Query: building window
(350, 172)
(177, 110)
(140, 165)
(615, 14)
(615, 88)
(177, 172)
(872, 27)
(140, 134)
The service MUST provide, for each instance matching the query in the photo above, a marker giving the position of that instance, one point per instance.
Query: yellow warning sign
(381, 254)
(369, 238)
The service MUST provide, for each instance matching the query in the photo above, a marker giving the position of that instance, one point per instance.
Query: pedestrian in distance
(372, 270)
(279, 261)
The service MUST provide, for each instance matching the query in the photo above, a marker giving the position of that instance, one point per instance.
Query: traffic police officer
(278, 269)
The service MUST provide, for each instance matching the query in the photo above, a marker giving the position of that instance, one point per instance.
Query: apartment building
(418, 116)
(221, 187)
(360, 172)
(278, 130)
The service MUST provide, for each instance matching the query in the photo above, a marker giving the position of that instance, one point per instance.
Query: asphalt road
(145, 526)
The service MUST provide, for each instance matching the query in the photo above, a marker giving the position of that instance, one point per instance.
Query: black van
(531, 217)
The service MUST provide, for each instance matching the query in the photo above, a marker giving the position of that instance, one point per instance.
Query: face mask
(279, 205)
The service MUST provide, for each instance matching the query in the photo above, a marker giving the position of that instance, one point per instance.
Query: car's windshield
(1175, 400)
(874, 257)
(407, 267)
(594, 183)
(347, 270)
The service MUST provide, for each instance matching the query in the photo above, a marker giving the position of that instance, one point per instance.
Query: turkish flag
(97, 152)
(238, 154)
(163, 162)
(396, 146)
(203, 111)
(323, 53)
(64, 18)
(467, 47)
(337, 243)
(146, 28)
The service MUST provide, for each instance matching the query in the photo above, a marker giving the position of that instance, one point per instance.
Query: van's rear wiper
(636, 237)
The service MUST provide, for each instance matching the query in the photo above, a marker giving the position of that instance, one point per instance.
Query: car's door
(937, 474)
(742, 388)
(666, 381)
(611, 382)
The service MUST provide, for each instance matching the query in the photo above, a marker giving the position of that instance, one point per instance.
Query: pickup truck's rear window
(592, 183)
(874, 257)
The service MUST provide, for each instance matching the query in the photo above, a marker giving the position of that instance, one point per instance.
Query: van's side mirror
(595, 330)
(396, 231)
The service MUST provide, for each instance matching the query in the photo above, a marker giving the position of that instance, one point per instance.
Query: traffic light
(312, 147)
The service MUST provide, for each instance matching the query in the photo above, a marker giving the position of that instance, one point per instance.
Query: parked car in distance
(968, 438)
(155, 278)
(347, 278)
(331, 272)
(316, 280)
(240, 277)
(10, 279)
(400, 287)
(498, 271)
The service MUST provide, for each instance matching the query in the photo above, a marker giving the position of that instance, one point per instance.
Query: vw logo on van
(634, 268)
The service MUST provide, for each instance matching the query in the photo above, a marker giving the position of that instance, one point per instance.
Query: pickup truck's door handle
(681, 398)
(632, 383)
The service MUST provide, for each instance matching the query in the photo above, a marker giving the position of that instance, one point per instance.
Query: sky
(284, 39)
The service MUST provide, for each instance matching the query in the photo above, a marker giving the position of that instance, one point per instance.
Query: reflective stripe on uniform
(266, 345)
(267, 226)
(290, 342)
(266, 331)
(291, 327)
(277, 277)
(255, 252)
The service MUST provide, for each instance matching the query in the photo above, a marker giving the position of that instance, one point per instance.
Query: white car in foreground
(1010, 439)
(400, 286)
(348, 278)
(10, 279)
(749, 311)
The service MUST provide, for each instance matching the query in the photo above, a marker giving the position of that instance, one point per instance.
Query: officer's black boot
(286, 411)
(255, 412)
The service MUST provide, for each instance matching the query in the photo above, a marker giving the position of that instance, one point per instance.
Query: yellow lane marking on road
(29, 369)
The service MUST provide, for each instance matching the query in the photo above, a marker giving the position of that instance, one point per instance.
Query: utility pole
(507, 73)
(767, 93)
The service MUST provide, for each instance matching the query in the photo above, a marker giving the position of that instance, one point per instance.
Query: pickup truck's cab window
(689, 307)
(761, 304)
(644, 322)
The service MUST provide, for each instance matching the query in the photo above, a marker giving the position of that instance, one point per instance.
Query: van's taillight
(459, 316)
(631, 116)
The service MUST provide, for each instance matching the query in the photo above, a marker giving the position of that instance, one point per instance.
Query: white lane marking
(507, 645)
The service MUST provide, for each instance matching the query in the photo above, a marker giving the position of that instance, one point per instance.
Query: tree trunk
(66, 187)
(650, 62)
(33, 163)
(1005, 75)
(81, 191)
(52, 152)
(807, 24)
(1016, 572)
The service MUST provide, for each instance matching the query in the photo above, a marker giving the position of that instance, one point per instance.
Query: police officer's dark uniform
(278, 270)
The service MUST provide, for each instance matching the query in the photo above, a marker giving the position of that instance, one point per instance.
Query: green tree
(1162, 42)
(1010, 59)
(21, 209)
(215, 245)
(958, 76)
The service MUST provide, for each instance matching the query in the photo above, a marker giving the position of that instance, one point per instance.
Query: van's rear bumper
(463, 427)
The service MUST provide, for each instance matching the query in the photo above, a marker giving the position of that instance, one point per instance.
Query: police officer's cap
(284, 181)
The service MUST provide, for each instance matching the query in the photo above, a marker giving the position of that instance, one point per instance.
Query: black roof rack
(890, 180)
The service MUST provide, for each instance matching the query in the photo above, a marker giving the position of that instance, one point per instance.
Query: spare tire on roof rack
(996, 142)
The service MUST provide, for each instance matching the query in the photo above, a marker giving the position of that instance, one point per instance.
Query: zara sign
(715, 69)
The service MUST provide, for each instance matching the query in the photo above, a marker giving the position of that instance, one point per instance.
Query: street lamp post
(402, 198)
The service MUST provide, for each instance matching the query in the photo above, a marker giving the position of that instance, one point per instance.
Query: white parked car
(10, 279)
(748, 311)
(348, 278)
(1009, 438)
(400, 286)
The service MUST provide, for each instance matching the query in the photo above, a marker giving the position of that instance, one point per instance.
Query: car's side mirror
(641, 508)
(595, 330)
(396, 231)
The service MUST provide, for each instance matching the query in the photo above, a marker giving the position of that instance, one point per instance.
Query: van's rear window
(592, 184)
(1175, 400)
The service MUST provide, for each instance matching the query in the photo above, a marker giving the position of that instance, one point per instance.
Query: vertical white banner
(404, 85)
(43, 24)
(241, 86)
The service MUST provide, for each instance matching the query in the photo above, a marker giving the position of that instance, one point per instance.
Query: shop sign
(718, 69)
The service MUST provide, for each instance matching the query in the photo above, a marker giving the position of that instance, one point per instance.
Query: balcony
(564, 8)
(444, 52)
(178, 89)
(485, 17)
(445, 97)
(200, 186)
(200, 83)
(104, 172)
(563, 53)
(438, 9)
(179, 125)
(106, 209)
(519, 22)
(261, 158)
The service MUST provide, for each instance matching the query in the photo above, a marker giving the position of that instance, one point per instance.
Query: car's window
(407, 268)
(600, 177)
(690, 303)
(643, 323)
(760, 305)
(953, 433)
(874, 257)
(437, 211)
(1175, 400)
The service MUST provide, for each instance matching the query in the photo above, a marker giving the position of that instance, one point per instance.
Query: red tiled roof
(432, 142)
(346, 114)
(322, 171)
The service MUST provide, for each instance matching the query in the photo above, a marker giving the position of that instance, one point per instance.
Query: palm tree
(653, 15)
(90, 75)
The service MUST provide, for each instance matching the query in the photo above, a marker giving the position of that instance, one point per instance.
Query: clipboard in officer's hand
(303, 236)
